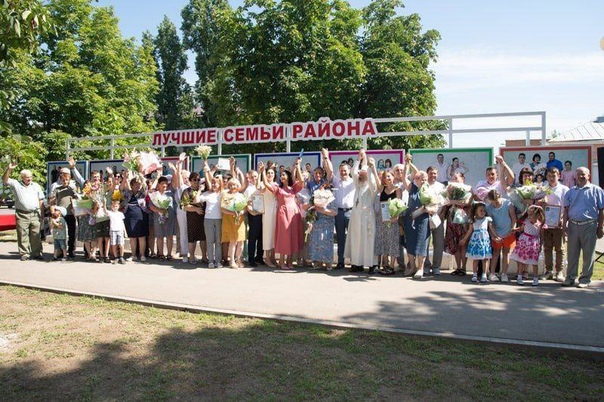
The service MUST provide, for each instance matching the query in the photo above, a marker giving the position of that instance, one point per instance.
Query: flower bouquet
(203, 151)
(117, 195)
(529, 191)
(162, 201)
(396, 207)
(190, 198)
(238, 204)
(427, 196)
(321, 198)
(310, 218)
(457, 192)
(132, 161)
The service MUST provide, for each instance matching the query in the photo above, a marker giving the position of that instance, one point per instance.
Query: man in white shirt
(553, 236)
(343, 190)
(441, 169)
(438, 233)
(254, 238)
(521, 164)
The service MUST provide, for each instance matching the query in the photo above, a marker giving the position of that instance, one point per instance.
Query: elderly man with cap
(62, 192)
(29, 206)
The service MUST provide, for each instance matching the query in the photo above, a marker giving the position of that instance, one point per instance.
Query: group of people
(289, 216)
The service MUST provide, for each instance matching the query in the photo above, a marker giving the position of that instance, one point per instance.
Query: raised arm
(75, 172)
(327, 165)
(505, 173)
(9, 169)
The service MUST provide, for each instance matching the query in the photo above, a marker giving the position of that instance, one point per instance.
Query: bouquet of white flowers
(162, 201)
(321, 198)
(203, 151)
(457, 191)
(427, 196)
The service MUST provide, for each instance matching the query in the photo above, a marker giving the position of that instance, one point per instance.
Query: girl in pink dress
(528, 246)
(288, 227)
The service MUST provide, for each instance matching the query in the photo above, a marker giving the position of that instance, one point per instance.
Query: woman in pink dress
(288, 227)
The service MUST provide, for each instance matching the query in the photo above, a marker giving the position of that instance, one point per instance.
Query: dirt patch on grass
(62, 347)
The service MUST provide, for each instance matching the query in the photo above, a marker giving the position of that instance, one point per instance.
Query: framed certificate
(258, 203)
(385, 211)
(552, 215)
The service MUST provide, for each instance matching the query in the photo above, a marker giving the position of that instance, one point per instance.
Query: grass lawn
(60, 347)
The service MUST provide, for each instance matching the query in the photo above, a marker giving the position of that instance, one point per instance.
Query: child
(501, 210)
(58, 227)
(116, 231)
(479, 244)
(528, 246)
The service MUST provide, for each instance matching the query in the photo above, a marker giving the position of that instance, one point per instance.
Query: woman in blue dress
(417, 229)
(320, 239)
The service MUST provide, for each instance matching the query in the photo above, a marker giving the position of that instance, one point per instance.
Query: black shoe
(252, 264)
(339, 266)
(39, 258)
(356, 268)
(71, 256)
(371, 270)
(259, 261)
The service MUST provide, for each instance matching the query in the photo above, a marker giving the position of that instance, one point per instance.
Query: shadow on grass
(270, 360)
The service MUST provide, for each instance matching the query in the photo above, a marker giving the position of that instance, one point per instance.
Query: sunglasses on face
(194, 180)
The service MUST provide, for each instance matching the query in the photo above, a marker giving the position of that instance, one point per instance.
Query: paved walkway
(447, 306)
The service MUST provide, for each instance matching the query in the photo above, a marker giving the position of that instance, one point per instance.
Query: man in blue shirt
(584, 215)
(553, 162)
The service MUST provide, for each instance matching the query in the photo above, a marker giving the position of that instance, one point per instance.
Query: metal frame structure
(450, 121)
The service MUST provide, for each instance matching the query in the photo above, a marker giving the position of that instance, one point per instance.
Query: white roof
(591, 131)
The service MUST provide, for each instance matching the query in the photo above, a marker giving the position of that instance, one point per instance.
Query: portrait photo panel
(577, 155)
(288, 159)
(384, 159)
(471, 161)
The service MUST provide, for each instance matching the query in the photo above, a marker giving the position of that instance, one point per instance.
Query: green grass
(81, 348)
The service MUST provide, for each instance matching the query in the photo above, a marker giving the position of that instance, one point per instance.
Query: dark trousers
(342, 219)
(254, 238)
(71, 234)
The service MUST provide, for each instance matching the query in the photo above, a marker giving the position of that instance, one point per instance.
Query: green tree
(297, 60)
(399, 82)
(206, 25)
(86, 79)
(174, 103)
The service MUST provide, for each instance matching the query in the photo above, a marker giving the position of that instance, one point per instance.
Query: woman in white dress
(267, 179)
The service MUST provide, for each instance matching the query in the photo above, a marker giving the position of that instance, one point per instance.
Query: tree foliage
(299, 60)
(84, 80)
(174, 99)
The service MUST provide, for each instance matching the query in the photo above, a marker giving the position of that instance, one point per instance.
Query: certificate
(77, 210)
(385, 211)
(552, 215)
(258, 203)
(223, 164)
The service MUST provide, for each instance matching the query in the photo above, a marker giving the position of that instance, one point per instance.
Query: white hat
(64, 170)
(62, 210)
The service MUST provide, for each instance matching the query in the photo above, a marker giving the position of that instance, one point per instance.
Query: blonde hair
(537, 211)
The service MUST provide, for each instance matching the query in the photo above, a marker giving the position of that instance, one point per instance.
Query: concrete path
(448, 306)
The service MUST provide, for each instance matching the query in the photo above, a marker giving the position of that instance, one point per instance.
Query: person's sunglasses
(194, 180)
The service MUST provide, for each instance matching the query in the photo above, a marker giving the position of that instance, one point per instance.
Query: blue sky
(512, 56)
